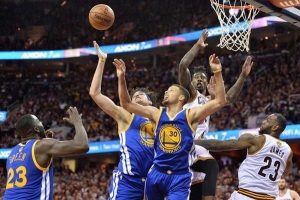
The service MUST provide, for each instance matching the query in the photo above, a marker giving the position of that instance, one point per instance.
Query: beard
(264, 131)
(281, 187)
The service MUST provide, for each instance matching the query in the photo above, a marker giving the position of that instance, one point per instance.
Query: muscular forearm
(235, 90)
(220, 88)
(184, 73)
(97, 78)
(217, 145)
(81, 137)
(123, 91)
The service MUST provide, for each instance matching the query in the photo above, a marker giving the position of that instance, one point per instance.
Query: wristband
(216, 71)
(102, 60)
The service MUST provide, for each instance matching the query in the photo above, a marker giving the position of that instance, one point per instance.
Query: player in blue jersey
(169, 177)
(29, 165)
(136, 139)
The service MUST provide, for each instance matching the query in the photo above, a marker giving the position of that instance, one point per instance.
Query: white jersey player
(197, 85)
(268, 158)
(285, 193)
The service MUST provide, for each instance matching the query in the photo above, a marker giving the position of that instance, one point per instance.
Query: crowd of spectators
(57, 25)
(93, 182)
(271, 87)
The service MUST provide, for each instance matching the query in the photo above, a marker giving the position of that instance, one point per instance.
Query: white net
(235, 18)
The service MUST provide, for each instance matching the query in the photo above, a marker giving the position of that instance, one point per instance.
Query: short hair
(281, 120)
(184, 92)
(152, 96)
(25, 124)
(199, 69)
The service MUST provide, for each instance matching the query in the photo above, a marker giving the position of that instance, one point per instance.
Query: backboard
(290, 14)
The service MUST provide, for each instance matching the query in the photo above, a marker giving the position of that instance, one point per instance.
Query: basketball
(101, 17)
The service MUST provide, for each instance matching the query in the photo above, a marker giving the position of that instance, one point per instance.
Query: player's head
(199, 80)
(282, 184)
(176, 93)
(29, 125)
(142, 96)
(274, 124)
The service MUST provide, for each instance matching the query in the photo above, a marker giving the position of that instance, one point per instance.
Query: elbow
(92, 93)
(182, 65)
(84, 148)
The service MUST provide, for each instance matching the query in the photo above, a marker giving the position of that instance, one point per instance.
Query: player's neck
(173, 109)
(275, 135)
(25, 139)
(282, 192)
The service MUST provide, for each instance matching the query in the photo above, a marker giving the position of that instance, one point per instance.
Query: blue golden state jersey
(26, 180)
(136, 147)
(173, 141)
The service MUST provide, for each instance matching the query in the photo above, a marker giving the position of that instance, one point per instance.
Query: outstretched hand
(100, 53)
(203, 37)
(247, 66)
(74, 117)
(120, 66)
(215, 64)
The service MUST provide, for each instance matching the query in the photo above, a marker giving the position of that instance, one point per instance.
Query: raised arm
(199, 113)
(184, 75)
(47, 148)
(234, 92)
(106, 104)
(236, 89)
(244, 141)
(149, 112)
(289, 165)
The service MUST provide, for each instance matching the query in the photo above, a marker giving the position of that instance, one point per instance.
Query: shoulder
(294, 194)
(41, 146)
(255, 140)
(251, 137)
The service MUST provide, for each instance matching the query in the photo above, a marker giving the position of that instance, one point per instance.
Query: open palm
(120, 66)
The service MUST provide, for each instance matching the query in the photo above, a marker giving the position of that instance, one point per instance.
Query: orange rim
(248, 7)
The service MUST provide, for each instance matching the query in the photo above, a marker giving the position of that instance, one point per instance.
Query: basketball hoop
(236, 17)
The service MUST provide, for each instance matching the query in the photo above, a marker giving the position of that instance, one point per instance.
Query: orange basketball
(101, 17)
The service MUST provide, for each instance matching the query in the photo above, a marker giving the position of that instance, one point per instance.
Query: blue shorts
(124, 187)
(172, 186)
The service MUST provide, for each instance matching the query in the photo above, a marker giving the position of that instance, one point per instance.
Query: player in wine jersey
(29, 165)
(136, 139)
(205, 167)
(169, 177)
(268, 158)
(285, 193)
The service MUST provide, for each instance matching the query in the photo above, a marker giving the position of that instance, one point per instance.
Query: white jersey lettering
(261, 171)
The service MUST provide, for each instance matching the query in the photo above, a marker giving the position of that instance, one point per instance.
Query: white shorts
(237, 196)
(198, 177)
(201, 153)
